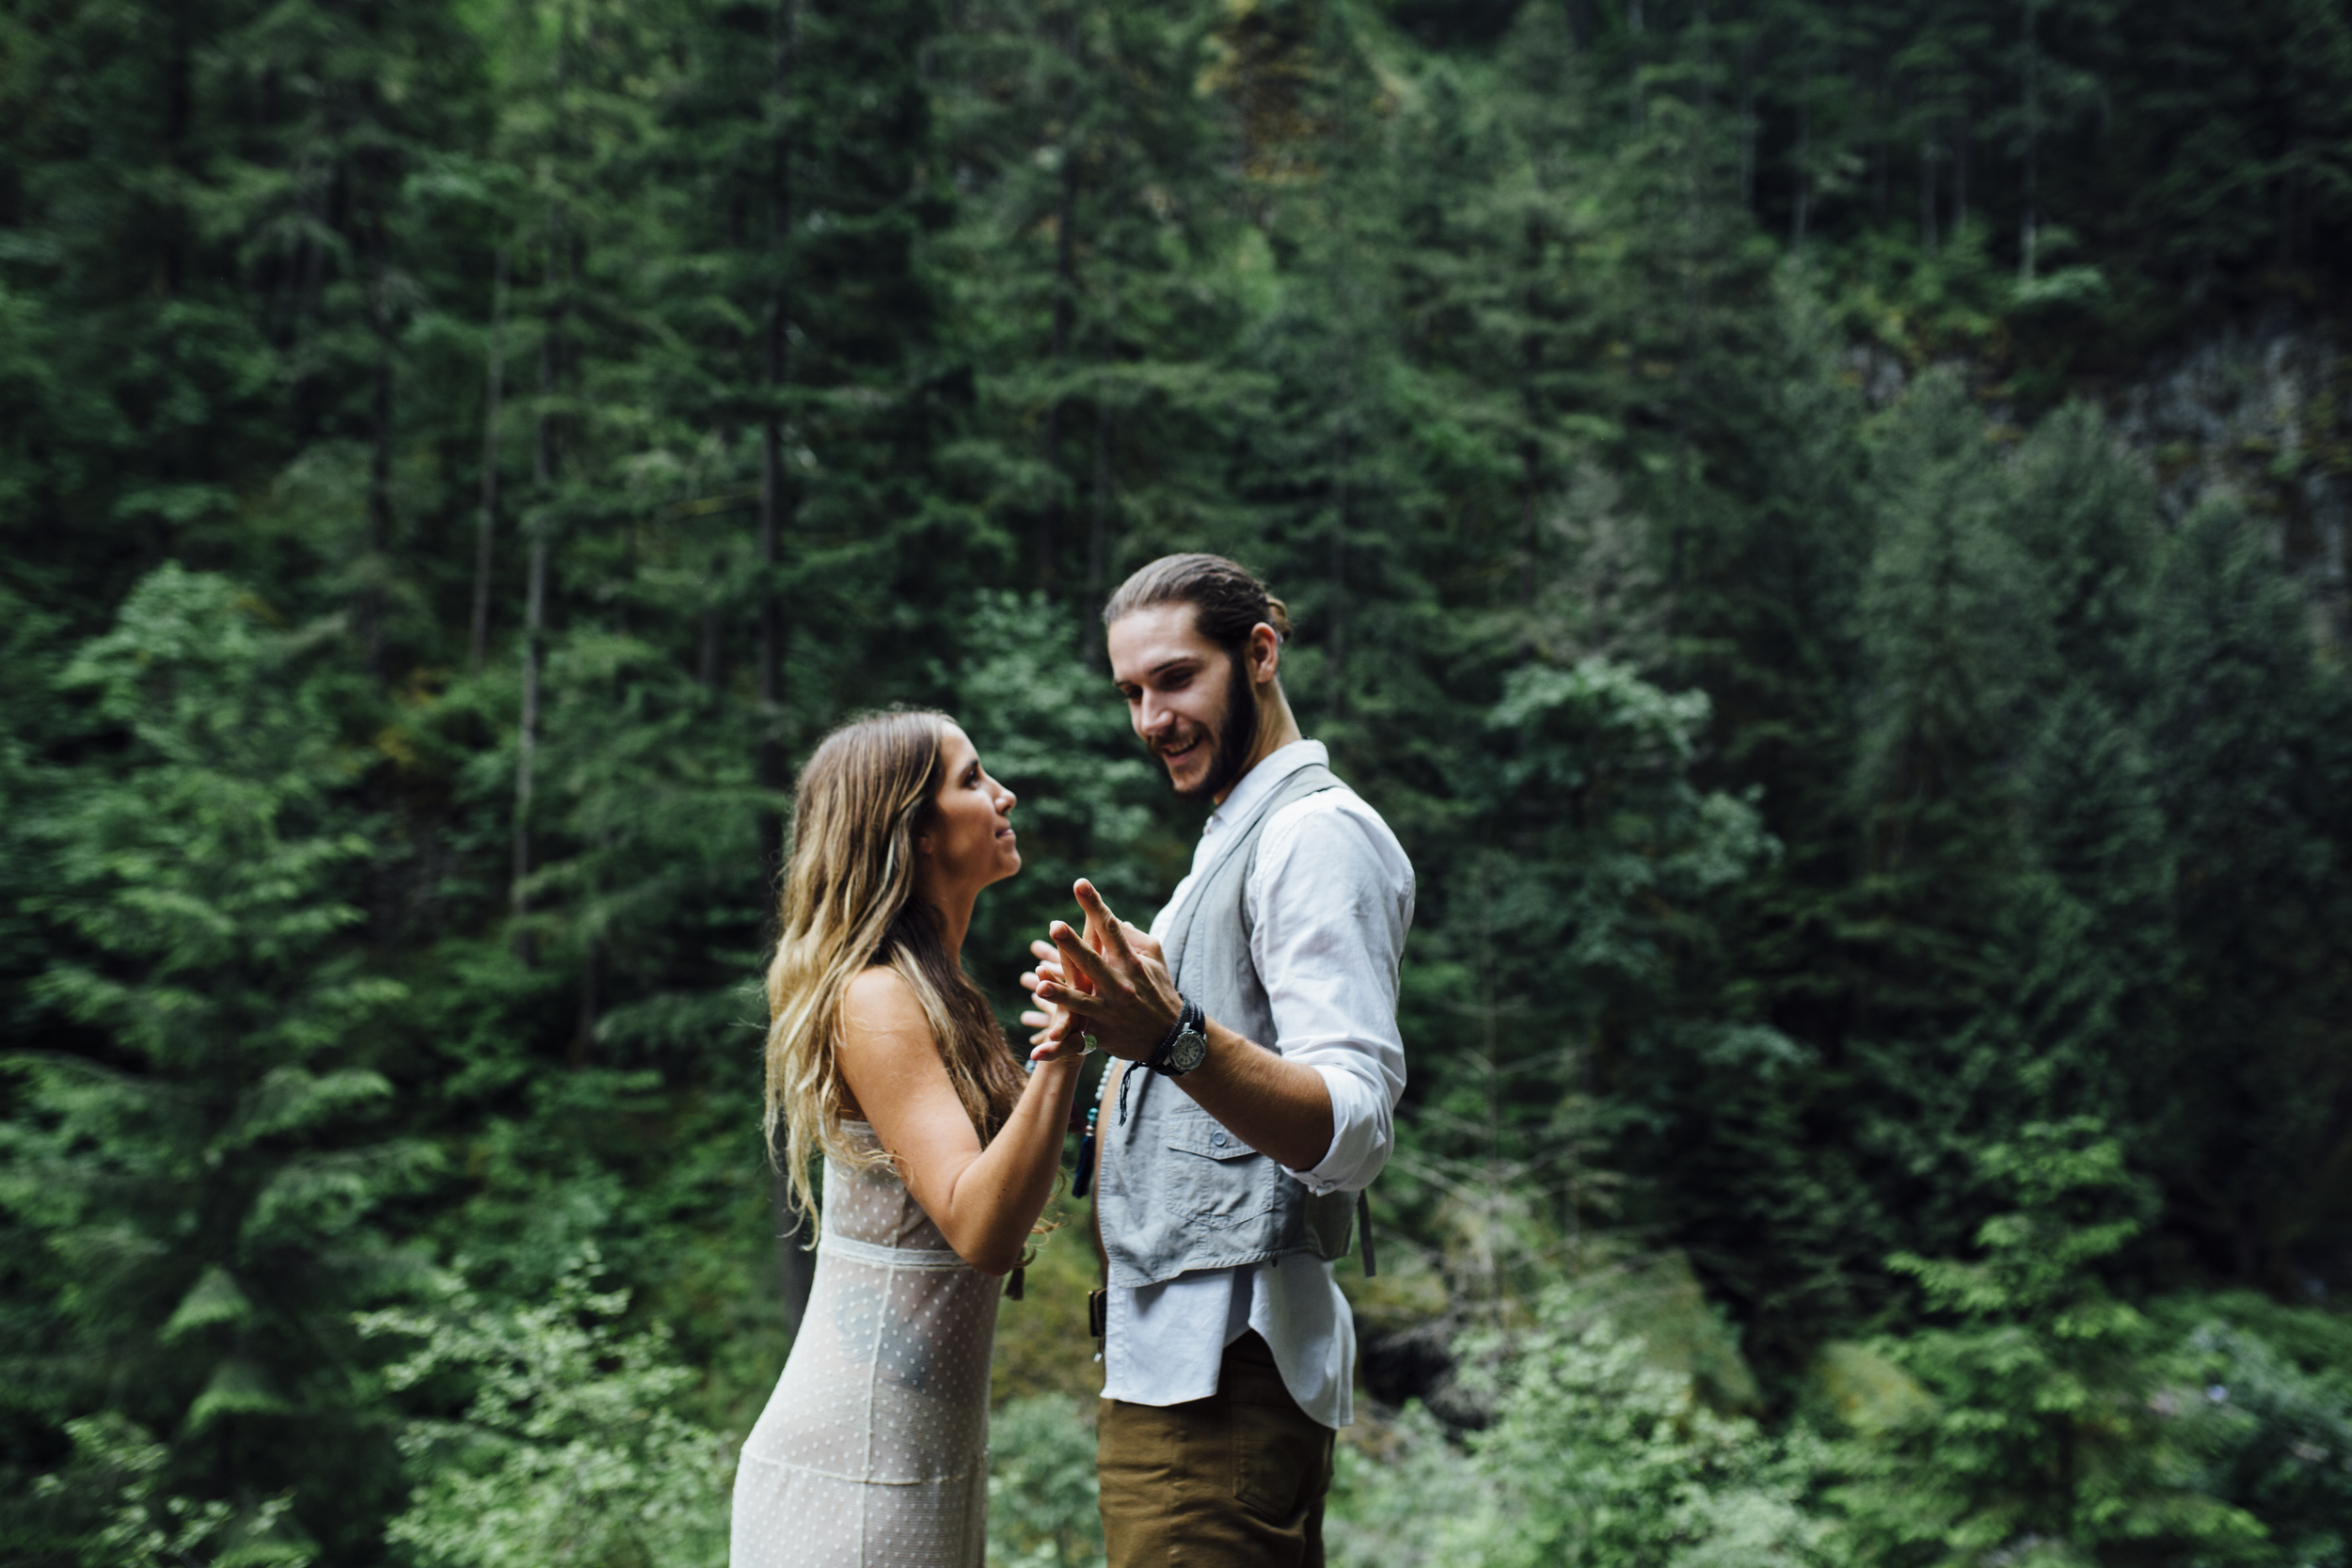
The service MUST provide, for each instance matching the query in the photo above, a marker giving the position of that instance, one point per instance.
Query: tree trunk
(526, 738)
(584, 1026)
(1800, 210)
(1099, 525)
(378, 534)
(1747, 122)
(1531, 476)
(1335, 618)
(1961, 135)
(1634, 41)
(1882, 150)
(1927, 190)
(775, 367)
(486, 532)
(2028, 235)
(707, 663)
(302, 401)
(795, 1272)
(2288, 209)
(180, 116)
(1701, 35)
(1065, 309)
(536, 594)
(554, 281)
(1686, 389)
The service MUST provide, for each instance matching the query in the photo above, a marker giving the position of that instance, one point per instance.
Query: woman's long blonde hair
(849, 903)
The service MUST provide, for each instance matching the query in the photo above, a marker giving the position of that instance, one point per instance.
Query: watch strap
(1188, 1016)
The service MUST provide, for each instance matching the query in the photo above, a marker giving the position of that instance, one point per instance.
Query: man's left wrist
(1148, 1040)
(1186, 1045)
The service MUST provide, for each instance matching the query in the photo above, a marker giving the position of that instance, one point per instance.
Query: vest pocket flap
(1202, 1135)
(1213, 1182)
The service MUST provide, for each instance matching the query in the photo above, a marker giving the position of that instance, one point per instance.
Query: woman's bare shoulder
(880, 1006)
(889, 1057)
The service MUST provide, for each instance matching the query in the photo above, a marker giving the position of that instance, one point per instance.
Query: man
(1253, 1100)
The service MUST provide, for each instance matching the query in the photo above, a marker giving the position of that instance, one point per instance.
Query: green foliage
(1570, 931)
(113, 1474)
(1598, 1456)
(1041, 1495)
(1396, 1506)
(2277, 1426)
(2044, 1434)
(2237, 710)
(562, 1443)
(193, 1152)
(1859, 810)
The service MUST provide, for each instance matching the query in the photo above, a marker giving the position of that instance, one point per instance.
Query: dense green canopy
(1822, 527)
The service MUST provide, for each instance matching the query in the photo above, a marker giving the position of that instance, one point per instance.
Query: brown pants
(1234, 1481)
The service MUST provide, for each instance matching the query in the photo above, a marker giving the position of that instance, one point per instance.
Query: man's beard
(1235, 738)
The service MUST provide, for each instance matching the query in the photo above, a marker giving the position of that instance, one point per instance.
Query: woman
(939, 1157)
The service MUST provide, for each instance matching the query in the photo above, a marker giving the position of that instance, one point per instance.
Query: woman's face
(968, 841)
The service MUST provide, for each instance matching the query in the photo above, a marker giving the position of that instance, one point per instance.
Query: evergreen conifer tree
(2258, 1081)
(194, 1149)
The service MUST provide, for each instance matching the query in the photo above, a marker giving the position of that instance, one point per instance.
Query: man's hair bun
(1225, 597)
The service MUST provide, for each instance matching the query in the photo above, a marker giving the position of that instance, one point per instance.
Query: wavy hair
(849, 903)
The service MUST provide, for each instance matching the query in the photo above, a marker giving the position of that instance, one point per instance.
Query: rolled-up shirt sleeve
(1329, 900)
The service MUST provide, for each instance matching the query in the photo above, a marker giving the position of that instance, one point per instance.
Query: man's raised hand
(1111, 983)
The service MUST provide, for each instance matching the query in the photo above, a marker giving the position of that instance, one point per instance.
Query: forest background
(1822, 525)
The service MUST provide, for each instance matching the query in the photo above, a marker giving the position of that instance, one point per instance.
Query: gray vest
(1176, 1191)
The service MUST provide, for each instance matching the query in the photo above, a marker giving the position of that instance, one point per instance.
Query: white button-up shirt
(1330, 896)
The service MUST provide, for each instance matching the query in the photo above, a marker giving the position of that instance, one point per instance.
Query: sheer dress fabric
(873, 1450)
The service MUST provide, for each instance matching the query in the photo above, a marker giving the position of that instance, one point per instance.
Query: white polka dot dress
(873, 1450)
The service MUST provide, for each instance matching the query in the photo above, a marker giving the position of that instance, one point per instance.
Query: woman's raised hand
(1048, 1022)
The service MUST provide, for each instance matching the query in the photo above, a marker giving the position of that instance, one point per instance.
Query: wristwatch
(1187, 1045)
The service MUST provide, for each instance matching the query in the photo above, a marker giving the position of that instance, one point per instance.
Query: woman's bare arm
(983, 1200)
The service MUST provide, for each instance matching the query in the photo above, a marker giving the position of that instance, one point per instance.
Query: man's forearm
(1277, 1106)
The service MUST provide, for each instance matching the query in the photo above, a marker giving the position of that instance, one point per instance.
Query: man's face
(1189, 700)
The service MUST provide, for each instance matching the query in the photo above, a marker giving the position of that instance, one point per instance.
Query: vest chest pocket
(1213, 1178)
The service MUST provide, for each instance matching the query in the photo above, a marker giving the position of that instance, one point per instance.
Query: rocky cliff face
(2259, 414)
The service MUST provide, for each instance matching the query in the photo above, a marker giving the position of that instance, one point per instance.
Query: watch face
(1190, 1050)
